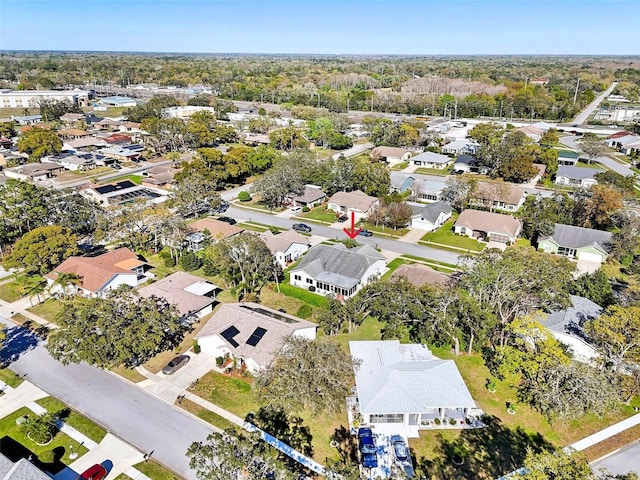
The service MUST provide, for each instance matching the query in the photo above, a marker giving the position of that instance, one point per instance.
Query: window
(386, 418)
(297, 277)
(310, 281)
(567, 252)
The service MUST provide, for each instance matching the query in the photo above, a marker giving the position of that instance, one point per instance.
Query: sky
(417, 27)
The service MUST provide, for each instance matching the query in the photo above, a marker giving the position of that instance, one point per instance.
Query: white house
(287, 246)
(98, 275)
(357, 202)
(567, 327)
(193, 296)
(185, 111)
(430, 217)
(460, 146)
(336, 270)
(427, 190)
(252, 334)
(402, 388)
(432, 160)
(576, 176)
(35, 172)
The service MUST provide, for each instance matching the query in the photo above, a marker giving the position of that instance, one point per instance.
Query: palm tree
(65, 281)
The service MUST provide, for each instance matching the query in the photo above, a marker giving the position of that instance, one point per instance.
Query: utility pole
(575, 95)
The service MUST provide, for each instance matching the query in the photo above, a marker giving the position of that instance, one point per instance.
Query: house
(337, 270)
(107, 124)
(83, 144)
(498, 196)
(125, 153)
(427, 190)
(532, 131)
(357, 202)
(539, 81)
(72, 118)
(432, 160)
(100, 274)
(256, 139)
(216, 229)
(391, 155)
(185, 111)
(117, 101)
(419, 275)
(460, 146)
(588, 246)
(567, 327)
(74, 163)
(35, 172)
(161, 176)
(400, 182)
(251, 334)
(123, 192)
(576, 176)
(32, 98)
(73, 133)
(430, 217)
(287, 246)
(22, 469)
(193, 296)
(568, 157)
(619, 139)
(311, 196)
(488, 226)
(5, 143)
(403, 388)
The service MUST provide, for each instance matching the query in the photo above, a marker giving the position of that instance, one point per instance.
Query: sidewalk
(606, 433)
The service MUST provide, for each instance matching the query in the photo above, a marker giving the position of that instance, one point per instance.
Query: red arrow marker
(353, 233)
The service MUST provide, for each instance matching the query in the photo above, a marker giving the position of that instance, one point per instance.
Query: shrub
(169, 262)
(305, 311)
(219, 361)
(453, 421)
(48, 456)
(437, 421)
(244, 196)
(196, 347)
(40, 428)
(190, 261)
(306, 209)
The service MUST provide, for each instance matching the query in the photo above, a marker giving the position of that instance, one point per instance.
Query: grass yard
(392, 266)
(371, 329)
(272, 299)
(129, 373)
(47, 309)
(82, 424)
(10, 378)
(383, 230)
(159, 267)
(53, 457)
(320, 214)
(9, 292)
(137, 179)
(445, 267)
(594, 165)
(435, 171)
(155, 471)
(204, 414)
(400, 166)
(445, 236)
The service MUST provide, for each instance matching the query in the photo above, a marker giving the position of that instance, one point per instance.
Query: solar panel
(256, 336)
(228, 335)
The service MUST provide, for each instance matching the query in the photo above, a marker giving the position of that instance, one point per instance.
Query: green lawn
(206, 415)
(445, 236)
(435, 171)
(392, 266)
(10, 378)
(594, 165)
(9, 292)
(371, 329)
(82, 424)
(382, 229)
(16, 445)
(155, 471)
(137, 179)
(47, 309)
(320, 214)
(400, 166)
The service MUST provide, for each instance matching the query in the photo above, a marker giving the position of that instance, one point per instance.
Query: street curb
(628, 445)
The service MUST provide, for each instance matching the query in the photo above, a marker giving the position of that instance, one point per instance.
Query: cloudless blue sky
(424, 27)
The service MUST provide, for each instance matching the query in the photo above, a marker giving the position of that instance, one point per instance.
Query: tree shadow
(18, 340)
(15, 451)
(488, 452)
(346, 444)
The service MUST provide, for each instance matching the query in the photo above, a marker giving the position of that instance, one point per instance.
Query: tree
(308, 375)
(561, 464)
(244, 261)
(595, 208)
(120, 329)
(458, 191)
(592, 146)
(616, 334)
(40, 428)
(190, 262)
(42, 249)
(625, 241)
(550, 137)
(194, 194)
(594, 286)
(8, 129)
(51, 109)
(398, 214)
(285, 427)
(539, 215)
(285, 177)
(233, 454)
(151, 109)
(288, 138)
(64, 285)
(38, 142)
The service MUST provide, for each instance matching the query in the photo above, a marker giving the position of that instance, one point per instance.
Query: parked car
(402, 455)
(117, 166)
(365, 233)
(174, 365)
(343, 217)
(301, 227)
(367, 447)
(296, 210)
(228, 220)
(223, 207)
(96, 472)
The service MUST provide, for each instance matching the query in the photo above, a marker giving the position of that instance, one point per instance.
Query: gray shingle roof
(573, 318)
(578, 173)
(23, 469)
(578, 237)
(432, 211)
(395, 378)
(338, 265)
(431, 157)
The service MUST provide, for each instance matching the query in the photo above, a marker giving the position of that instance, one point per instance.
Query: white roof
(201, 287)
(431, 157)
(406, 378)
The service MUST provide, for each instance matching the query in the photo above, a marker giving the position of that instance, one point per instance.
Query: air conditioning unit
(312, 288)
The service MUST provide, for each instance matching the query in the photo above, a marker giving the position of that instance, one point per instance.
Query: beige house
(357, 202)
(498, 196)
(488, 226)
(391, 155)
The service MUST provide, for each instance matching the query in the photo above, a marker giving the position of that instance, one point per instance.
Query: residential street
(621, 462)
(584, 114)
(123, 409)
(570, 141)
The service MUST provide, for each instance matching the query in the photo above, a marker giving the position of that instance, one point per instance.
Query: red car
(97, 472)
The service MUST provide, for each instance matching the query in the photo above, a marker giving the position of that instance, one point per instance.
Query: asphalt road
(330, 232)
(621, 462)
(584, 114)
(570, 141)
(132, 414)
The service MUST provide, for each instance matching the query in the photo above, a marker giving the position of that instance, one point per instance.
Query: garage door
(589, 257)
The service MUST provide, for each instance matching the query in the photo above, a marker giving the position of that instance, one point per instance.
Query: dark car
(301, 227)
(96, 472)
(343, 218)
(175, 364)
(117, 166)
(228, 220)
(367, 447)
(401, 452)
(365, 233)
(223, 207)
